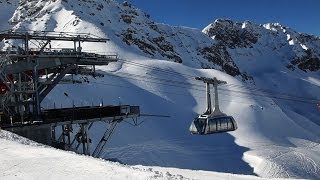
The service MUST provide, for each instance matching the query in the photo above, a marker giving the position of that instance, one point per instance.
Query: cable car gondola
(215, 121)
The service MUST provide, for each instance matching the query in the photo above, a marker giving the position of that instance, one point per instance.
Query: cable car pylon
(212, 121)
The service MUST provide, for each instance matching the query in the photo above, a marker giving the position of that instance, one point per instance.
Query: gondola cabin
(211, 122)
(203, 125)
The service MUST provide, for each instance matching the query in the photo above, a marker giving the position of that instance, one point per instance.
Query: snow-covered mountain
(225, 45)
(275, 138)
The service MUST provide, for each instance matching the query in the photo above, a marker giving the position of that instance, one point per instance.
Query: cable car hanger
(212, 121)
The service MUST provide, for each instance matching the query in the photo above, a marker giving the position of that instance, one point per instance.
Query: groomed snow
(270, 142)
(275, 138)
(23, 159)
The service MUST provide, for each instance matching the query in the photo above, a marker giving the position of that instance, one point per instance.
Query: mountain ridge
(272, 132)
(215, 49)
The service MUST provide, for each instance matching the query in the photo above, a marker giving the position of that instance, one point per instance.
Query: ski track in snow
(275, 138)
(278, 152)
(24, 159)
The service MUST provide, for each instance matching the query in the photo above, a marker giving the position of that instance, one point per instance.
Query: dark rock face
(150, 40)
(307, 62)
(224, 45)
(232, 34)
(129, 38)
(127, 18)
(305, 38)
(310, 60)
(228, 35)
(219, 55)
(225, 37)
(150, 45)
(27, 11)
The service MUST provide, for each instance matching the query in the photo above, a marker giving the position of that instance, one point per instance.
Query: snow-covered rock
(276, 137)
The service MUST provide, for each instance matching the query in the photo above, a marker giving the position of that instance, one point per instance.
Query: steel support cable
(257, 93)
(173, 85)
(162, 83)
(160, 79)
(273, 96)
(192, 77)
(185, 85)
(174, 93)
(231, 85)
(237, 92)
(156, 68)
(264, 91)
(191, 84)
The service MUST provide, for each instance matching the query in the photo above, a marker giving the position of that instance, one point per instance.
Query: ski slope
(268, 142)
(275, 138)
(23, 159)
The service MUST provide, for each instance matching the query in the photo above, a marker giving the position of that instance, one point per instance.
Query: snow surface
(275, 138)
(269, 141)
(23, 159)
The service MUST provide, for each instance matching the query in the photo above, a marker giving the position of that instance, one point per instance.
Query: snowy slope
(24, 159)
(276, 138)
(268, 142)
(7, 9)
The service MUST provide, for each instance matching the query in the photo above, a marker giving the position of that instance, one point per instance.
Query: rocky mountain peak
(231, 33)
(274, 27)
(224, 44)
(300, 49)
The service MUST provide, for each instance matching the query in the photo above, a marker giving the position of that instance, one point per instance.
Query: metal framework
(27, 75)
(72, 138)
(211, 122)
(215, 82)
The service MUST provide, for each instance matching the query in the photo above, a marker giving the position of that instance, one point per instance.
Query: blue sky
(301, 15)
